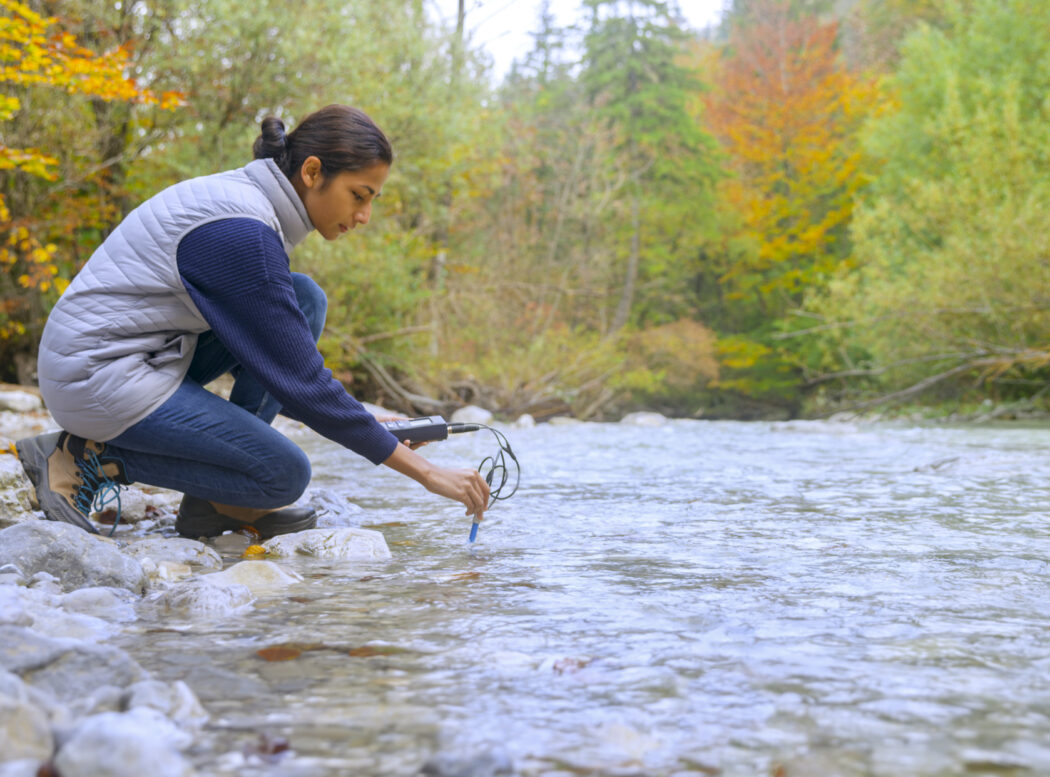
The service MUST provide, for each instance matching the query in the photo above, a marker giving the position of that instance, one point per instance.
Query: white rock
(644, 419)
(16, 492)
(175, 549)
(525, 421)
(111, 604)
(175, 701)
(342, 544)
(20, 401)
(25, 730)
(114, 744)
(471, 414)
(260, 577)
(22, 767)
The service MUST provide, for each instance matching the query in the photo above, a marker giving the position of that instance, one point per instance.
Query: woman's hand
(463, 485)
(466, 486)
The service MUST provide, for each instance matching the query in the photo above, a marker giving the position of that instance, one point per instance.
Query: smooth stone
(20, 401)
(471, 414)
(175, 549)
(644, 419)
(130, 744)
(70, 554)
(349, 544)
(259, 577)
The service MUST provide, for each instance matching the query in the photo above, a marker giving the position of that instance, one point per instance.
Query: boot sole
(266, 528)
(33, 457)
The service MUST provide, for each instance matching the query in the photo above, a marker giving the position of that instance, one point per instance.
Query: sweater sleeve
(236, 271)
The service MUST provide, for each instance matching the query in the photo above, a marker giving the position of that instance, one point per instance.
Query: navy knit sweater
(237, 272)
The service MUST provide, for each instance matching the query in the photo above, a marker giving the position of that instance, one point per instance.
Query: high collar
(291, 213)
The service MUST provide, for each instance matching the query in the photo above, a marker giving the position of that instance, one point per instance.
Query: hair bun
(272, 142)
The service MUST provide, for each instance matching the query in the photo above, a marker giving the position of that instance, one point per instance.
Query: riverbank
(71, 703)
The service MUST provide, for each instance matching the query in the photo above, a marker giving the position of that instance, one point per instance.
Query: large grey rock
(131, 744)
(66, 669)
(76, 558)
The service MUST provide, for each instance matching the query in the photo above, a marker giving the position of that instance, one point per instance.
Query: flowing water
(696, 598)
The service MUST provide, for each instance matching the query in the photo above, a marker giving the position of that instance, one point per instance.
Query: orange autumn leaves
(34, 54)
(787, 112)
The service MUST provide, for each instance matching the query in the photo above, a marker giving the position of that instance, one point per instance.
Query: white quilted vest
(120, 340)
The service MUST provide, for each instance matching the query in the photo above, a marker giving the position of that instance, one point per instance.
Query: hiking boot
(200, 518)
(71, 475)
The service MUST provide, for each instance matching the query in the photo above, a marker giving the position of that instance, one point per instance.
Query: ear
(310, 172)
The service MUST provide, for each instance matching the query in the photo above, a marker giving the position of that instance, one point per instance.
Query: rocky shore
(71, 703)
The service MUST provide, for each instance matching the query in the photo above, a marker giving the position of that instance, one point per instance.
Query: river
(696, 598)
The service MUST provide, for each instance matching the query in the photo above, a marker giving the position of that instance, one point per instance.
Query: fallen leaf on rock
(107, 517)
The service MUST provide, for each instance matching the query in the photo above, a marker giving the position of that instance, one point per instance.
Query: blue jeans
(216, 449)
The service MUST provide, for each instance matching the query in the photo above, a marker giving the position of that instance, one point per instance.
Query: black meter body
(426, 429)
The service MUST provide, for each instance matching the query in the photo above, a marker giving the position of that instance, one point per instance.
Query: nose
(364, 214)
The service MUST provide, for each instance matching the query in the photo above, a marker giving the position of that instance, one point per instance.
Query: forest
(816, 206)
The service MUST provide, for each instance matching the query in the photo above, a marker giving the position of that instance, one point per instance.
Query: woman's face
(339, 203)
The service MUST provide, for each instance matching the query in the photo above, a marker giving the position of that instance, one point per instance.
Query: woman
(194, 283)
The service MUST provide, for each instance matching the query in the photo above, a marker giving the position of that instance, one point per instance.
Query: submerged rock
(259, 577)
(74, 557)
(491, 763)
(66, 669)
(337, 544)
(202, 598)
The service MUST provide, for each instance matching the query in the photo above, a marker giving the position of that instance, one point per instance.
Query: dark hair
(342, 137)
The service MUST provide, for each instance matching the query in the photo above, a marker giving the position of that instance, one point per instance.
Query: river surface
(696, 598)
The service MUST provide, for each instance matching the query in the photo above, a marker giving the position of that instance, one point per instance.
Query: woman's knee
(312, 301)
(287, 481)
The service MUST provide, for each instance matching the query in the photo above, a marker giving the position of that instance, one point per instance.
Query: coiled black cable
(495, 468)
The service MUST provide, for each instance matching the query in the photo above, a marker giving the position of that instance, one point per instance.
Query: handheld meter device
(426, 429)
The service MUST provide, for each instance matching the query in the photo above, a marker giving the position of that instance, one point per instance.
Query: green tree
(950, 242)
(639, 89)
